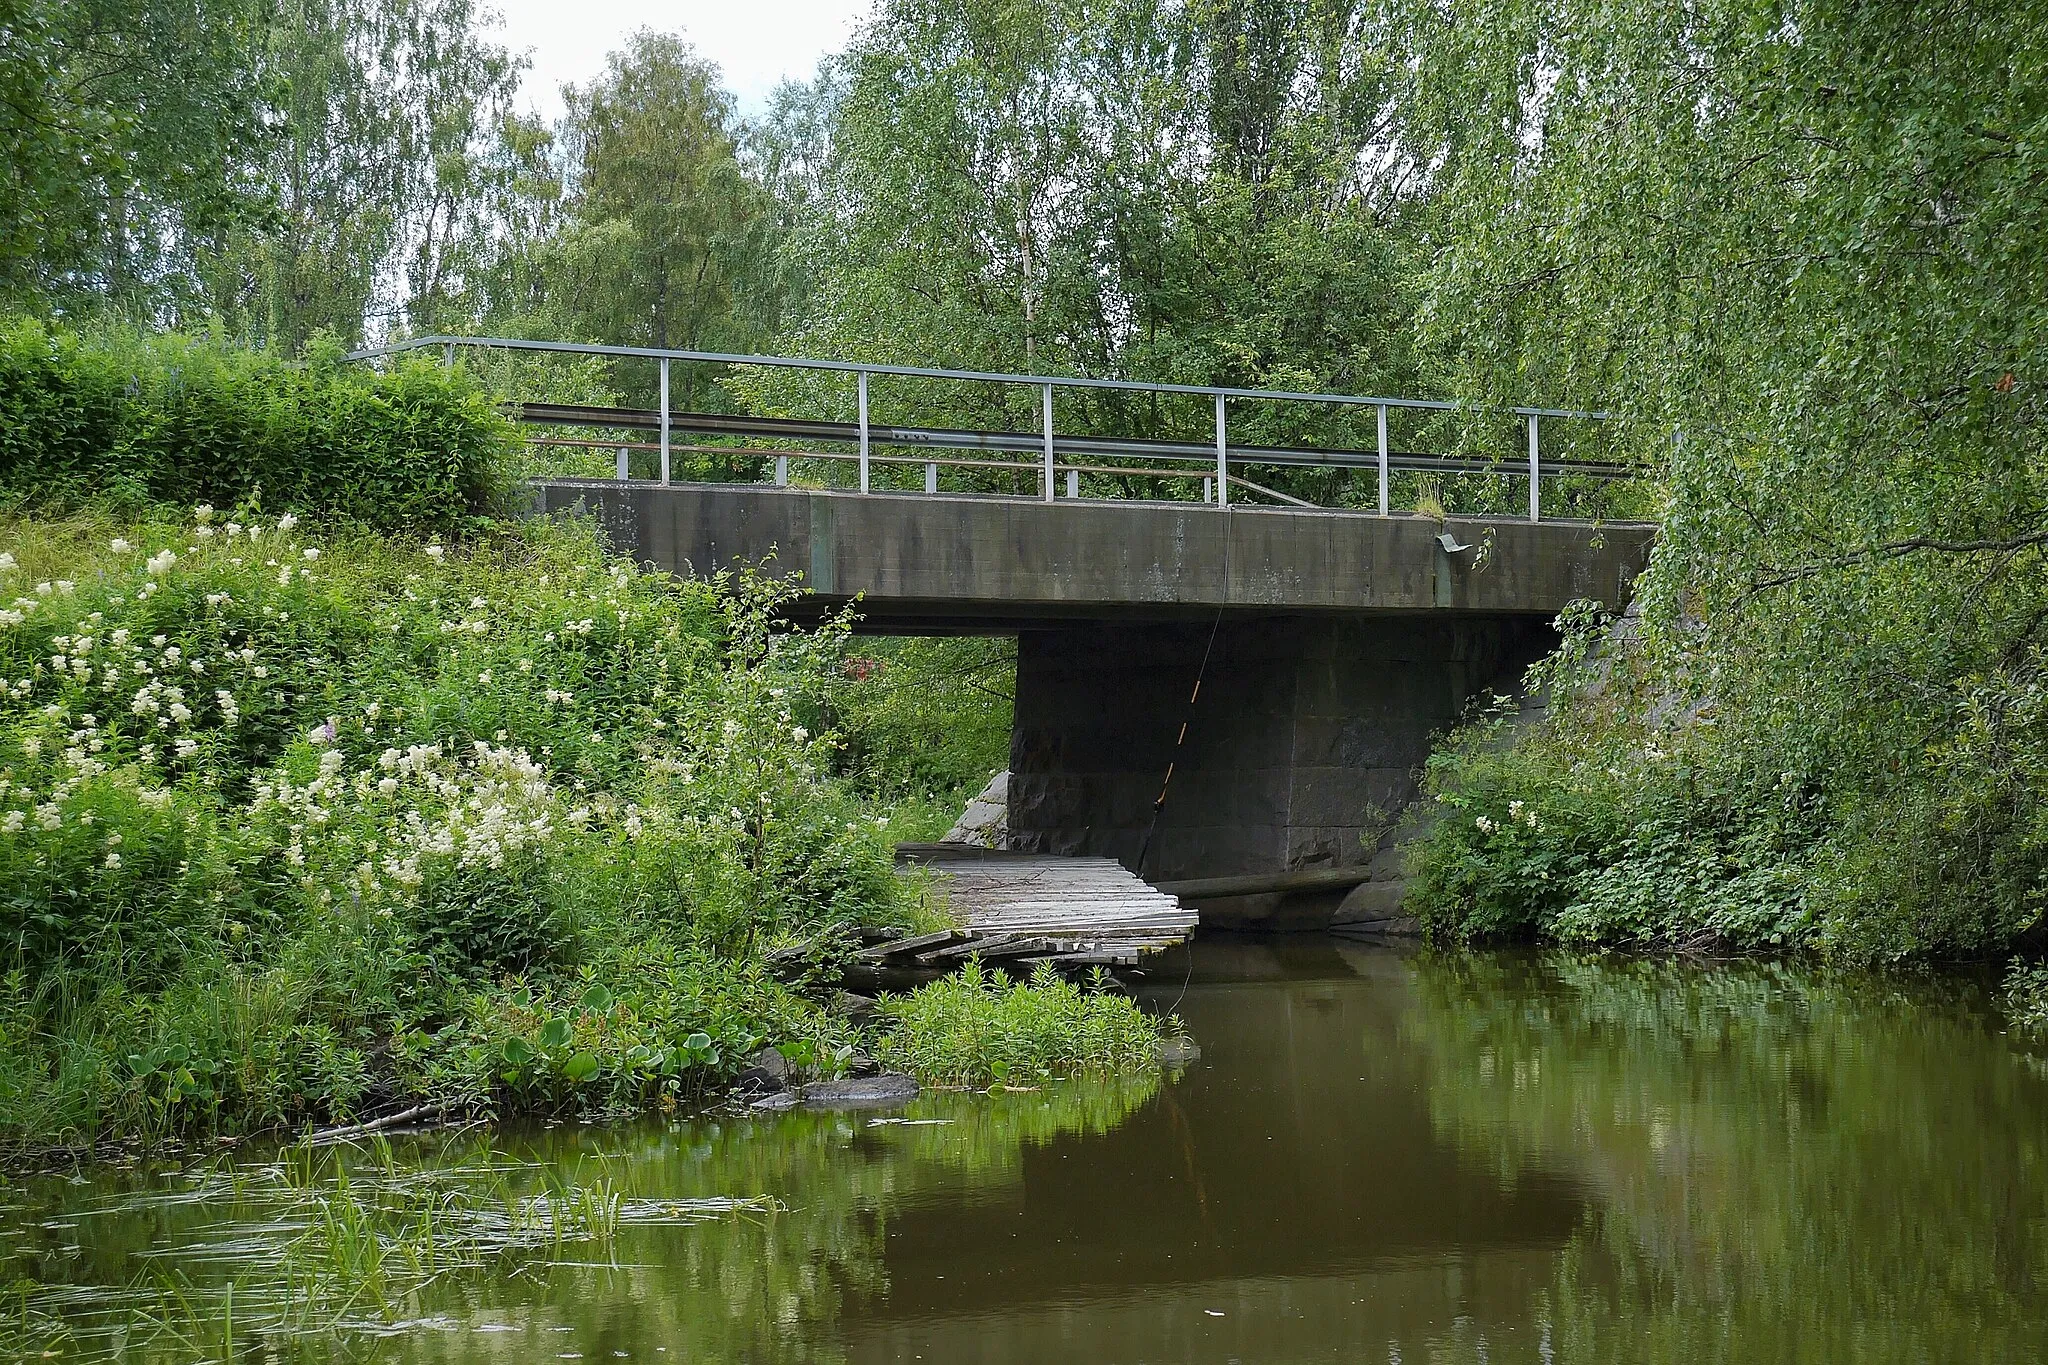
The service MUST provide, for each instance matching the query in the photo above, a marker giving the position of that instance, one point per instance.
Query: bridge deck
(1076, 912)
(948, 561)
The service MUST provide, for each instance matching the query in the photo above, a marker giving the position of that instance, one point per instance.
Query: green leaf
(596, 1000)
(518, 1052)
(555, 1033)
(580, 1067)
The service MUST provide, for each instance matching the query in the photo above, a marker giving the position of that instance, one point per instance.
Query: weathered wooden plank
(947, 954)
(1124, 922)
(993, 949)
(903, 946)
(1076, 912)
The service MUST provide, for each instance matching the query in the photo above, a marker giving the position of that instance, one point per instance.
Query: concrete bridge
(1335, 643)
(1331, 645)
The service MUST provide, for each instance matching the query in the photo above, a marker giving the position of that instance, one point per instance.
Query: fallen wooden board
(902, 946)
(955, 952)
(990, 949)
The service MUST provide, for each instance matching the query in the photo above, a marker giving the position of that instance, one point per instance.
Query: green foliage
(1793, 251)
(927, 715)
(665, 241)
(184, 422)
(118, 119)
(2026, 998)
(1592, 827)
(399, 172)
(979, 1028)
(298, 826)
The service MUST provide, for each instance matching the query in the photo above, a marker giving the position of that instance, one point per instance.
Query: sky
(757, 43)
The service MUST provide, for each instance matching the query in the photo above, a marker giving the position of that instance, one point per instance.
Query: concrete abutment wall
(1304, 728)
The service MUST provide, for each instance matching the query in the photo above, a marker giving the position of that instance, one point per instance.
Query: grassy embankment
(422, 807)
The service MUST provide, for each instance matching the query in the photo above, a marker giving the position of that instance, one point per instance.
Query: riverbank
(308, 828)
(1516, 1154)
(1643, 811)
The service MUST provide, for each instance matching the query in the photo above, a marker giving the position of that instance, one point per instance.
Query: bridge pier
(1304, 744)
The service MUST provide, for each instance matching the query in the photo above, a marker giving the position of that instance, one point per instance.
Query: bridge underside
(1337, 644)
(1302, 745)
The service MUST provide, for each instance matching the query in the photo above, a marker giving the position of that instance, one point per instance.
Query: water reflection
(1379, 1156)
(1783, 1165)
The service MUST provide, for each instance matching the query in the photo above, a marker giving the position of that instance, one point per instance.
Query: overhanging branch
(1896, 549)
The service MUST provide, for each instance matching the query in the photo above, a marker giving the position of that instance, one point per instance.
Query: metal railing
(1213, 462)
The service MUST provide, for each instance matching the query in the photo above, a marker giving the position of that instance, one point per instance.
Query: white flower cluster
(424, 806)
(1519, 813)
(23, 808)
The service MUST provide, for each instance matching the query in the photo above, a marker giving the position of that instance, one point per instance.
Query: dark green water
(1378, 1158)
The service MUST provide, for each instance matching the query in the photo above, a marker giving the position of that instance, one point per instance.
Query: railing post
(1535, 473)
(1073, 484)
(782, 471)
(863, 431)
(1048, 443)
(931, 477)
(664, 419)
(448, 356)
(1222, 459)
(1383, 459)
(625, 470)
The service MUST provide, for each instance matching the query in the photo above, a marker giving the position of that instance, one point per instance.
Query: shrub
(978, 1027)
(298, 825)
(1576, 834)
(180, 421)
(928, 715)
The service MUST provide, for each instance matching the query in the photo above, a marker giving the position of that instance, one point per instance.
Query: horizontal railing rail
(1056, 453)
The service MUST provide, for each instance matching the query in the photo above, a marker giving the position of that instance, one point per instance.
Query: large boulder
(986, 821)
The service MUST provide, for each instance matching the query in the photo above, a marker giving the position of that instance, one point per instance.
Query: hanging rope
(1166, 782)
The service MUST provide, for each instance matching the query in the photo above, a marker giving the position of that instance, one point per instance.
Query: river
(1380, 1156)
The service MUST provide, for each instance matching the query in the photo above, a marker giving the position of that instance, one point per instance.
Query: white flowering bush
(414, 799)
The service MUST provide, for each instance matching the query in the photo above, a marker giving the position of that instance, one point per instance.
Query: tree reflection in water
(1786, 1165)
(1380, 1156)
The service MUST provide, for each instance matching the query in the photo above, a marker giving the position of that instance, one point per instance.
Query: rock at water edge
(859, 1093)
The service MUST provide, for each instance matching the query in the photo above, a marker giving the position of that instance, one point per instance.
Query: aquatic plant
(977, 1028)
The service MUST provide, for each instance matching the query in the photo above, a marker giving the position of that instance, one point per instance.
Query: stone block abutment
(1302, 747)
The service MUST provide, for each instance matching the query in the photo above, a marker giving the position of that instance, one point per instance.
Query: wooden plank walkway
(1025, 907)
